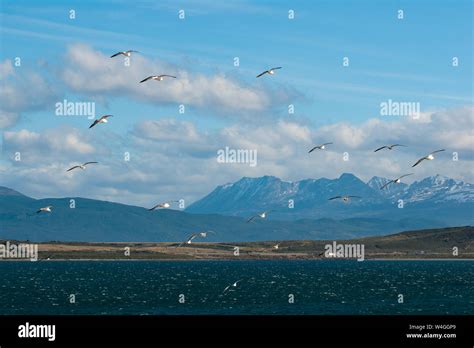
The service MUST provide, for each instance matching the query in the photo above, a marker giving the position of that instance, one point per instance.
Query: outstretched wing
(437, 151)
(168, 76)
(336, 197)
(418, 162)
(85, 164)
(405, 175)
(252, 218)
(93, 124)
(146, 79)
(72, 168)
(314, 148)
(386, 184)
(116, 54)
(263, 73)
(278, 67)
(380, 148)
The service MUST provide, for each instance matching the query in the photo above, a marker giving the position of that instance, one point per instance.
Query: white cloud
(90, 71)
(22, 90)
(174, 159)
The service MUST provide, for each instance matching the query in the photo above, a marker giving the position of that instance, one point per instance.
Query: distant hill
(100, 221)
(437, 200)
(434, 243)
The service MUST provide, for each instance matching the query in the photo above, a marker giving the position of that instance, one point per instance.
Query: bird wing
(72, 168)
(253, 217)
(418, 162)
(168, 76)
(380, 148)
(153, 208)
(314, 148)
(405, 175)
(354, 196)
(386, 184)
(394, 145)
(85, 164)
(263, 73)
(93, 124)
(146, 79)
(278, 67)
(227, 288)
(336, 197)
(437, 151)
(327, 143)
(194, 235)
(39, 211)
(116, 54)
(106, 116)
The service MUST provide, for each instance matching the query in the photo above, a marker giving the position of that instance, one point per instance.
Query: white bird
(320, 147)
(276, 246)
(163, 205)
(233, 285)
(195, 235)
(395, 181)
(124, 53)
(345, 199)
(262, 215)
(388, 147)
(45, 209)
(81, 166)
(430, 157)
(102, 119)
(269, 71)
(157, 78)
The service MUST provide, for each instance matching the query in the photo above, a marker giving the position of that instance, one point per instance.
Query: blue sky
(404, 60)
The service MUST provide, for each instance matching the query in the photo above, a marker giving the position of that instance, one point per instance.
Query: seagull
(262, 215)
(233, 285)
(269, 71)
(163, 205)
(388, 147)
(345, 199)
(45, 209)
(276, 246)
(82, 166)
(429, 157)
(320, 147)
(195, 235)
(102, 119)
(395, 181)
(124, 53)
(157, 77)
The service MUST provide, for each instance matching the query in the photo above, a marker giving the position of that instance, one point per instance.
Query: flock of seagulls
(262, 215)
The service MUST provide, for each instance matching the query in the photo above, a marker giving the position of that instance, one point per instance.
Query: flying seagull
(345, 199)
(320, 147)
(81, 166)
(195, 235)
(45, 209)
(262, 215)
(233, 285)
(395, 181)
(276, 246)
(429, 157)
(124, 53)
(388, 147)
(269, 71)
(102, 119)
(163, 205)
(157, 77)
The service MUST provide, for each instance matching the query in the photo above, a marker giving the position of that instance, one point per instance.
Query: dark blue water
(319, 287)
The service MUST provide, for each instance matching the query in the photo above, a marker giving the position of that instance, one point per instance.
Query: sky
(341, 60)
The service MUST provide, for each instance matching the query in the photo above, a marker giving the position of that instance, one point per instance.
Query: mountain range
(430, 203)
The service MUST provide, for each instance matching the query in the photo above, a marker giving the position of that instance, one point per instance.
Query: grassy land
(424, 244)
